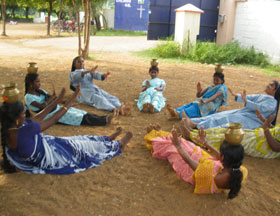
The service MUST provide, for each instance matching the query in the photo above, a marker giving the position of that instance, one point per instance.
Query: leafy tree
(3, 11)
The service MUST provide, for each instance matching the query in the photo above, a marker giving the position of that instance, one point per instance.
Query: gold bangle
(64, 107)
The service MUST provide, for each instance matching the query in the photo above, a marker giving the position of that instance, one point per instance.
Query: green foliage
(210, 53)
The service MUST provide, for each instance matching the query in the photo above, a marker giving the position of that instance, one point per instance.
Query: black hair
(153, 68)
(8, 115)
(277, 97)
(220, 75)
(74, 63)
(29, 80)
(233, 157)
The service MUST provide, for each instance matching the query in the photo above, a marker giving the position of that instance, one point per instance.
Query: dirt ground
(133, 183)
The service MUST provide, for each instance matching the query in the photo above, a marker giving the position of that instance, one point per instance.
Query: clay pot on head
(154, 62)
(32, 68)
(219, 68)
(10, 93)
(234, 134)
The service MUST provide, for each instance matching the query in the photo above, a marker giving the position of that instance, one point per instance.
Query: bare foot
(145, 107)
(122, 109)
(117, 133)
(175, 138)
(177, 116)
(188, 122)
(126, 139)
(185, 130)
(116, 112)
(157, 127)
(110, 119)
(152, 109)
(150, 128)
(127, 109)
(170, 110)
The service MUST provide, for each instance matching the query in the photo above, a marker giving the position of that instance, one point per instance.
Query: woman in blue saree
(32, 151)
(212, 98)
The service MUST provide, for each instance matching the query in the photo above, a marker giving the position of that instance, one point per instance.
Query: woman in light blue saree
(151, 98)
(212, 98)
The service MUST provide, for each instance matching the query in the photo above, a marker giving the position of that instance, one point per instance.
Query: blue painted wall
(129, 17)
(162, 18)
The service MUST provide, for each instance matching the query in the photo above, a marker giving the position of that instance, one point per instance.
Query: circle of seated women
(32, 151)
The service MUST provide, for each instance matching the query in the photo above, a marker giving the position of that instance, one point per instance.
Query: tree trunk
(59, 17)
(26, 12)
(79, 26)
(13, 11)
(3, 10)
(97, 21)
(87, 9)
(49, 17)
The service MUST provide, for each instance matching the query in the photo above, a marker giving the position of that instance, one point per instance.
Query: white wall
(257, 23)
(110, 17)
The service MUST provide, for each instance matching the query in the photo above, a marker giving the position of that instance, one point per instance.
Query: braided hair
(29, 80)
(233, 157)
(8, 115)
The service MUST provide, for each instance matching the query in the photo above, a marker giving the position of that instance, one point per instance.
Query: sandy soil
(134, 183)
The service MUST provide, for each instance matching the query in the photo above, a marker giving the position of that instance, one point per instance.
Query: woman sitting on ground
(267, 105)
(32, 151)
(212, 98)
(209, 171)
(151, 98)
(263, 142)
(91, 94)
(37, 99)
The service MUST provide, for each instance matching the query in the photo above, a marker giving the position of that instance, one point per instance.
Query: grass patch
(210, 53)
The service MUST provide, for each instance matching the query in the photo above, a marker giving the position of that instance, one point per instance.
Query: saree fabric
(92, 95)
(254, 141)
(208, 168)
(266, 104)
(45, 154)
(198, 109)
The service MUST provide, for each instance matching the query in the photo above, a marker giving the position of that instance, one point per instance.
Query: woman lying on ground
(32, 151)
(37, 99)
(209, 171)
(91, 94)
(263, 142)
(267, 105)
(212, 98)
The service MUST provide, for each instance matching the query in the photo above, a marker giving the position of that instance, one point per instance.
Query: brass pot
(219, 68)
(10, 93)
(154, 62)
(234, 134)
(32, 68)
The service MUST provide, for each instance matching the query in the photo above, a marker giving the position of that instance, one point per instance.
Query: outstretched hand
(61, 95)
(106, 75)
(148, 84)
(93, 70)
(198, 87)
(259, 115)
(267, 122)
(243, 96)
(201, 138)
(232, 93)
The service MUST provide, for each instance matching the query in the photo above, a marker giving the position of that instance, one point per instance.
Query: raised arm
(200, 92)
(186, 157)
(218, 94)
(201, 139)
(274, 145)
(45, 124)
(47, 109)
